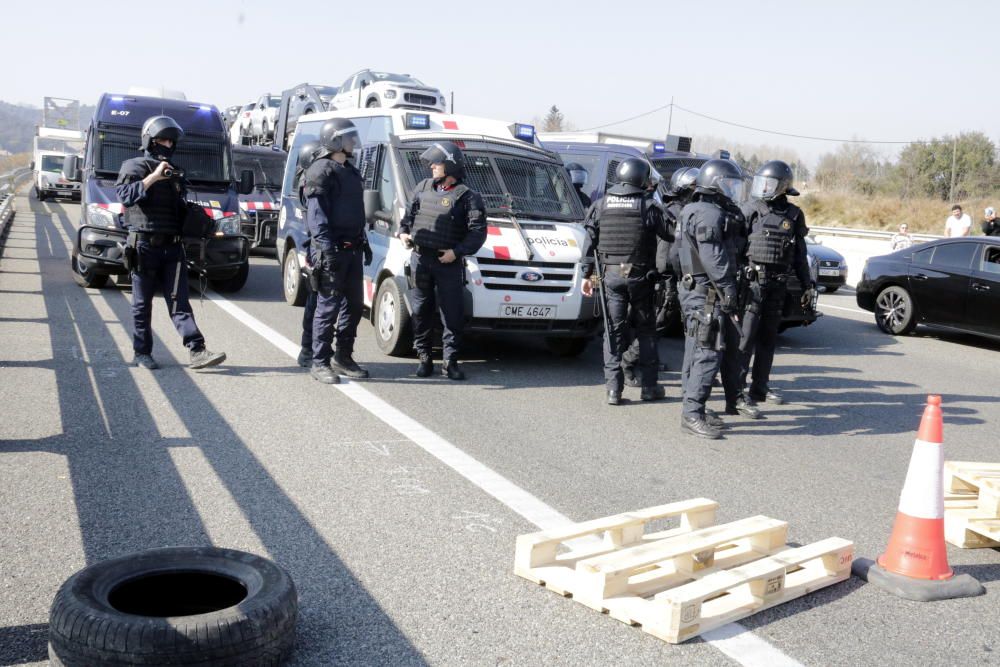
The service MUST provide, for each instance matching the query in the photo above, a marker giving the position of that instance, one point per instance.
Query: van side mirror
(373, 204)
(71, 168)
(247, 182)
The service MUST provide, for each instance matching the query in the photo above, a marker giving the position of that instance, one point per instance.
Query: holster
(411, 280)
(130, 253)
(709, 329)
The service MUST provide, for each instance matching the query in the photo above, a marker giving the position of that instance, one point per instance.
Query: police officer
(153, 193)
(307, 155)
(623, 228)
(578, 176)
(335, 217)
(709, 293)
(445, 222)
(777, 232)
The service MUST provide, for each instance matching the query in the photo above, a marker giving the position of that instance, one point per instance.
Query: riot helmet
(160, 127)
(720, 177)
(631, 177)
(448, 154)
(772, 180)
(577, 174)
(339, 135)
(683, 179)
(307, 155)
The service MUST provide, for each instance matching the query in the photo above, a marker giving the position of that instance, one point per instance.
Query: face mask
(161, 151)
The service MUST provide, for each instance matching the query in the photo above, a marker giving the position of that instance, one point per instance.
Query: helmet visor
(764, 187)
(350, 139)
(578, 176)
(731, 188)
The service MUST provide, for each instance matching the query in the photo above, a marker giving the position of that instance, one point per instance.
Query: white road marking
(733, 640)
(850, 310)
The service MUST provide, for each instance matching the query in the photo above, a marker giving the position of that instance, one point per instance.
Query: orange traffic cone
(915, 565)
(916, 548)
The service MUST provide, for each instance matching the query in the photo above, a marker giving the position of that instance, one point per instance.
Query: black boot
(614, 396)
(426, 366)
(345, 365)
(323, 373)
(452, 371)
(145, 361)
(713, 418)
(746, 407)
(631, 379)
(202, 358)
(654, 393)
(699, 427)
(305, 358)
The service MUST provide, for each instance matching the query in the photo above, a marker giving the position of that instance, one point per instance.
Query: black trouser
(308, 314)
(629, 297)
(437, 287)
(162, 267)
(769, 291)
(339, 305)
(701, 359)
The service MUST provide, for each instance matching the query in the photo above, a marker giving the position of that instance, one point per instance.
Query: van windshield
(268, 170)
(529, 187)
(203, 159)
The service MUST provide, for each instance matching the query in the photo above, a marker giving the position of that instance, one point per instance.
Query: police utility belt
(770, 272)
(345, 246)
(156, 240)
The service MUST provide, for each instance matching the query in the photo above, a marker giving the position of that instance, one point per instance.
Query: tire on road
(894, 311)
(177, 606)
(567, 347)
(393, 328)
(85, 277)
(292, 285)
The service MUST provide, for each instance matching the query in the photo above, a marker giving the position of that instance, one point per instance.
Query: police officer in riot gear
(307, 155)
(335, 217)
(445, 222)
(578, 176)
(623, 228)
(777, 231)
(709, 280)
(156, 210)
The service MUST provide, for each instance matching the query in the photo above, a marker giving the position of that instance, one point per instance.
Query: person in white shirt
(958, 223)
(902, 239)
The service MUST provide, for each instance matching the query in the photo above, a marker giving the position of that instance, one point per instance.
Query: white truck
(527, 277)
(50, 148)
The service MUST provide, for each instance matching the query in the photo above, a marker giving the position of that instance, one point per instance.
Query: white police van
(527, 277)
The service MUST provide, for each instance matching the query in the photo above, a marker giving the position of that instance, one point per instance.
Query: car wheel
(894, 313)
(84, 275)
(236, 283)
(393, 331)
(175, 606)
(292, 285)
(373, 102)
(567, 347)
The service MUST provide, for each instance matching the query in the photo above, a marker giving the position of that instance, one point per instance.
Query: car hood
(383, 85)
(822, 252)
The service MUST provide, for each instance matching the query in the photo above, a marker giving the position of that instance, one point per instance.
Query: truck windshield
(53, 163)
(528, 187)
(268, 170)
(204, 159)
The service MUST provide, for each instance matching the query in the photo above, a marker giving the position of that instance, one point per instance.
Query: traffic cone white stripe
(923, 490)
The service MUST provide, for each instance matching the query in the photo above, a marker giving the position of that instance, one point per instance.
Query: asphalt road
(398, 558)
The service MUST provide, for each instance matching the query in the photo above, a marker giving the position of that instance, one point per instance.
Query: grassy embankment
(924, 216)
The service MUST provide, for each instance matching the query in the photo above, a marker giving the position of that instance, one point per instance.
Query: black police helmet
(307, 154)
(448, 154)
(159, 127)
(339, 135)
(631, 177)
(683, 179)
(720, 177)
(772, 180)
(577, 173)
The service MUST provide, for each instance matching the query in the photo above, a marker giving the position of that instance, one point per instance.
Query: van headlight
(101, 217)
(228, 226)
(390, 94)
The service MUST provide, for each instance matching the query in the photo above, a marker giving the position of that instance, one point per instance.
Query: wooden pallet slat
(972, 504)
(980, 478)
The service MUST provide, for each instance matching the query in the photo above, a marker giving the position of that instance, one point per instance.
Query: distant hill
(17, 125)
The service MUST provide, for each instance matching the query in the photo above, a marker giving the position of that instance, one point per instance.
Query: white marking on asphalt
(734, 640)
(850, 310)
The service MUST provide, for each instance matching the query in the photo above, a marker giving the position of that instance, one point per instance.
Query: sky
(876, 70)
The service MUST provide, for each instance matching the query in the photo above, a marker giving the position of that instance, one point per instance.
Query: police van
(527, 277)
(205, 156)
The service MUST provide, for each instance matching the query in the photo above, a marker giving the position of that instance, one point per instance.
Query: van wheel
(175, 606)
(236, 283)
(373, 102)
(84, 276)
(393, 329)
(567, 347)
(294, 288)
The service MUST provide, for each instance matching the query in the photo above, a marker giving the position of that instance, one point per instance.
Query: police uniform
(335, 217)
(777, 231)
(155, 218)
(442, 217)
(624, 226)
(583, 196)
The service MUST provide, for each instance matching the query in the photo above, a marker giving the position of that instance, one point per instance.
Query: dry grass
(12, 162)
(924, 216)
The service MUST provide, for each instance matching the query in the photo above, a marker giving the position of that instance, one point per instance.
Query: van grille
(425, 100)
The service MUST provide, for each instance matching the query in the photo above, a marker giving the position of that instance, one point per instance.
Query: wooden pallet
(681, 582)
(972, 504)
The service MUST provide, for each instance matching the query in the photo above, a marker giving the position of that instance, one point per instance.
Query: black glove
(653, 276)
(367, 250)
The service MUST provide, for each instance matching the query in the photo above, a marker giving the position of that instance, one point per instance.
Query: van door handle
(920, 276)
(981, 287)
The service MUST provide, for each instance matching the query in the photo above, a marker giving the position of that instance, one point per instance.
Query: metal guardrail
(6, 212)
(868, 234)
(10, 181)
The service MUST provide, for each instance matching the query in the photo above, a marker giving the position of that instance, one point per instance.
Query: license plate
(829, 272)
(527, 312)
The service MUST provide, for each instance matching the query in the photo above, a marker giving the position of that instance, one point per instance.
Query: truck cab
(525, 280)
(259, 209)
(207, 160)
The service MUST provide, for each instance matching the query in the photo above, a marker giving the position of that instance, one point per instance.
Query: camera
(173, 172)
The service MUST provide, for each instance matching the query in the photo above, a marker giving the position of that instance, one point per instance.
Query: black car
(831, 266)
(949, 283)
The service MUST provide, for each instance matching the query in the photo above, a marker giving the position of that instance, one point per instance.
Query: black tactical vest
(624, 236)
(163, 208)
(435, 225)
(346, 210)
(772, 235)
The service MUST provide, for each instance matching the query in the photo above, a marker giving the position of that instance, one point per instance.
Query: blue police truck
(205, 156)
